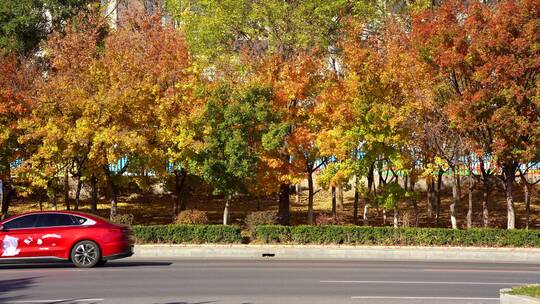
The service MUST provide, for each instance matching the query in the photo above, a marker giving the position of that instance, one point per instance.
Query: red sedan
(83, 239)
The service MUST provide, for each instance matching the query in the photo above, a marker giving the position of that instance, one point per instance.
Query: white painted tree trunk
(226, 215)
(455, 199)
(366, 215)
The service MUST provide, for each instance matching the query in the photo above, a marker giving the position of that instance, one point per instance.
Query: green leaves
(234, 125)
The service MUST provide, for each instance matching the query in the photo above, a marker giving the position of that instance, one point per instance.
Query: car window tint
(53, 220)
(28, 221)
(65, 220)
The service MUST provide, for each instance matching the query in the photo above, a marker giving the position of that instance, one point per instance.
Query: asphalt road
(262, 281)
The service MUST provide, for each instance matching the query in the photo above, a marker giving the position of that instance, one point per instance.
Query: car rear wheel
(85, 254)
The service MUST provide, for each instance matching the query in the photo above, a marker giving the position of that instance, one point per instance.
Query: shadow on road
(135, 264)
(69, 265)
(14, 285)
(181, 302)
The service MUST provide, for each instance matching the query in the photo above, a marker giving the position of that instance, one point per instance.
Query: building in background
(118, 10)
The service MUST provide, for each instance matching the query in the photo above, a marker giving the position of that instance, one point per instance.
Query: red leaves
(489, 56)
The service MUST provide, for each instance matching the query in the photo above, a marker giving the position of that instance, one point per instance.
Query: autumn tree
(18, 78)
(485, 56)
(94, 109)
(282, 34)
(58, 133)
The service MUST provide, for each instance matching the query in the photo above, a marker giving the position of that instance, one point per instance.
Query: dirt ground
(158, 209)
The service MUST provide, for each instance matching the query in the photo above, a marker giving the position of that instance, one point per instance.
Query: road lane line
(425, 298)
(428, 282)
(55, 301)
(480, 270)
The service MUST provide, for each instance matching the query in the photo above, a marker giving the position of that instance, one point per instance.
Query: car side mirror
(1, 227)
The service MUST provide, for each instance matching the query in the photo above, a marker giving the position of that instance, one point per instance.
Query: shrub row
(195, 234)
(388, 236)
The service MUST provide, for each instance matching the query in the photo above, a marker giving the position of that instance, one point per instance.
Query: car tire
(85, 254)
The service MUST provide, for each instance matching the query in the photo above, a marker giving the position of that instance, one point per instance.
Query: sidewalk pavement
(319, 252)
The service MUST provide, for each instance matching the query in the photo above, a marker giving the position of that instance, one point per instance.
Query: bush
(192, 217)
(388, 236)
(123, 219)
(258, 218)
(180, 234)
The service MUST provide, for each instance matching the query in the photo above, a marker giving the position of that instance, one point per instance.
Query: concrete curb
(513, 299)
(474, 254)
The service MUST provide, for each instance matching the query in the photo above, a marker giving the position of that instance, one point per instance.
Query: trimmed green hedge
(387, 236)
(195, 234)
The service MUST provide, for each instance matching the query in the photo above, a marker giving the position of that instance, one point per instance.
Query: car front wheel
(85, 254)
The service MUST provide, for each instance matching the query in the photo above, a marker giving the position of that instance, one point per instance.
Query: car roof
(83, 214)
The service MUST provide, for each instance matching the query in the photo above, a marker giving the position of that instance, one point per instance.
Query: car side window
(79, 220)
(55, 220)
(27, 221)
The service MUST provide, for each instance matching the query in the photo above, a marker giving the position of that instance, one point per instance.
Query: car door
(18, 237)
(54, 234)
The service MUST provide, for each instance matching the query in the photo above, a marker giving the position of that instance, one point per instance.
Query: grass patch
(527, 290)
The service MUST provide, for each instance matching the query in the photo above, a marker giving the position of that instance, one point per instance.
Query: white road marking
(55, 301)
(428, 282)
(483, 270)
(426, 298)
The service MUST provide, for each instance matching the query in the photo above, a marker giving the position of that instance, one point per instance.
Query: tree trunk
(94, 199)
(6, 191)
(340, 198)
(1, 197)
(406, 183)
(78, 192)
(356, 199)
(334, 211)
(366, 214)
(455, 198)
(470, 210)
(298, 190)
(114, 201)
(179, 185)
(113, 192)
(485, 204)
(396, 219)
(51, 194)
(527, 204)
(510, 173)
(430, 196)
(416, 214)
(226, 215)
(66, 188)
(438, 198)
(284, 204)
(310, 198)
